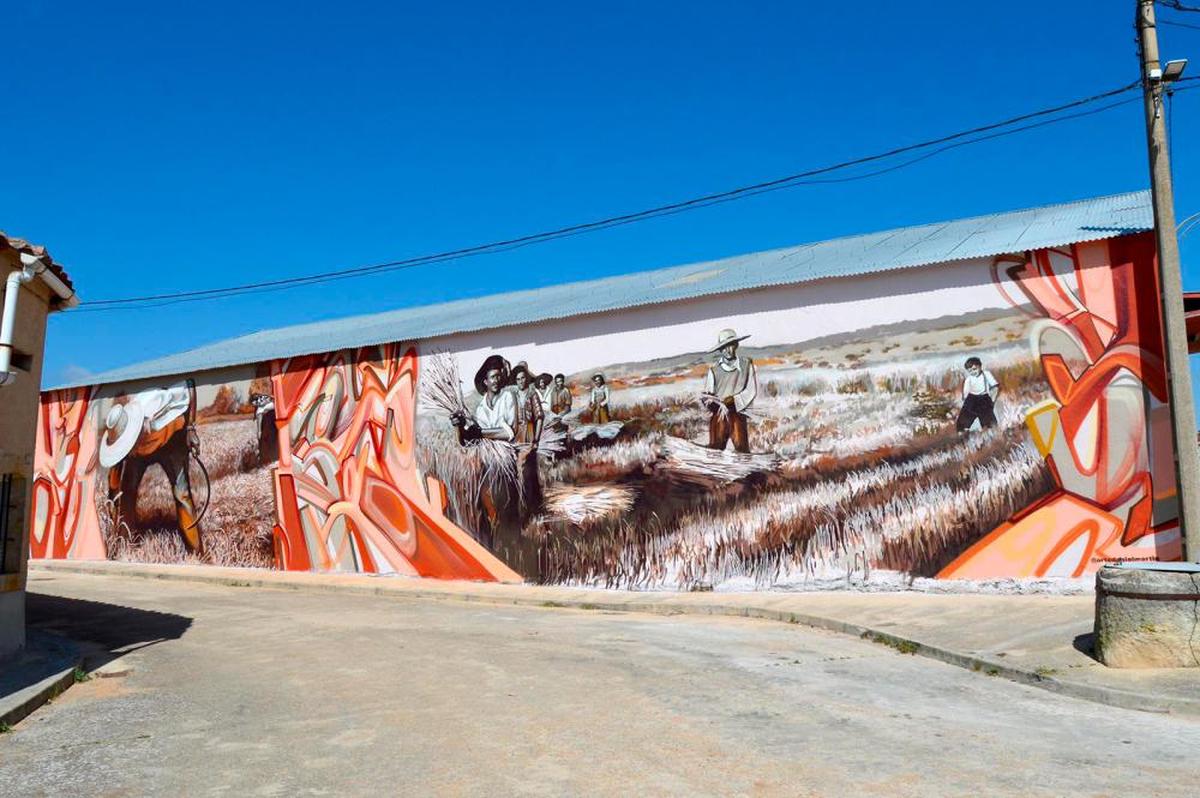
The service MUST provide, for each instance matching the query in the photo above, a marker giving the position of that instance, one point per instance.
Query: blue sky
(156, 147)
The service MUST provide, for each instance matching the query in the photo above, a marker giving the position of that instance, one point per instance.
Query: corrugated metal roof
(907, 247)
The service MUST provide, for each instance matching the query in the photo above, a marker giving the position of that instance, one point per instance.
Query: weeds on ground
(902, 646)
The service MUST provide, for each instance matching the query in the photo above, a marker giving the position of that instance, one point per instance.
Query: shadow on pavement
(102, 631)
(1086, 644)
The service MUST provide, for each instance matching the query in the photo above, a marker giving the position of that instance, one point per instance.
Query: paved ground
(1038, 639)
(246, 691)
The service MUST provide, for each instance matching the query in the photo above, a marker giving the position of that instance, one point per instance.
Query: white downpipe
(12, 288)
(32, 267)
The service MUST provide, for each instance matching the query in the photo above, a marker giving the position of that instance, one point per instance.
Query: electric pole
(1170, 286)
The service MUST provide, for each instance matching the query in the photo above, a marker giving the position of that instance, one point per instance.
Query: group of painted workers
(516, 406)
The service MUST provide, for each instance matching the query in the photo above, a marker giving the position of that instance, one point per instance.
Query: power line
(801, 178)
(1176, 5)
(1174, 24)
(266, 289)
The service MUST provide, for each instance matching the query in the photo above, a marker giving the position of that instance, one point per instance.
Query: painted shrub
(980, 419)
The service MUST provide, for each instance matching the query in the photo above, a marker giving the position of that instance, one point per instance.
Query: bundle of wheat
(586, 503)
(440, 384)
(605, 432)
(691, 462)
(552, 442)
(483, 463)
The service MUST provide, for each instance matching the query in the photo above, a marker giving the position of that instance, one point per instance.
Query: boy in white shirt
(979, 393)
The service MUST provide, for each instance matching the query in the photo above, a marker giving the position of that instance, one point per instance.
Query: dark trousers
(731, 424)
(976, 406)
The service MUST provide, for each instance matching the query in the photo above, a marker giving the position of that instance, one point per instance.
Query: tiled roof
(21, 245)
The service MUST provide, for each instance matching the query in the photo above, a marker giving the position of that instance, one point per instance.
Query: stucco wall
(849, 432)
(18, 422)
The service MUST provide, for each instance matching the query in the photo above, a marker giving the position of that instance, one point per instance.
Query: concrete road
(237, 691)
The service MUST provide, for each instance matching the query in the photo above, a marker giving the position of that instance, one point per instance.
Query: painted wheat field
(856, 466)
(239, 515)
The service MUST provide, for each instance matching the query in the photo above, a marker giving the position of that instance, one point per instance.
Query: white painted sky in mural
(817, 309)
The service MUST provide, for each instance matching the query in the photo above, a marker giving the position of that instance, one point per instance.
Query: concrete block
(1148, 615)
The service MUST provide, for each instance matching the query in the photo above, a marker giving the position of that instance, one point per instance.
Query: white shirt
(600, 395)
(743, 398)
(502, 415)
(164, 405)
(980, 384)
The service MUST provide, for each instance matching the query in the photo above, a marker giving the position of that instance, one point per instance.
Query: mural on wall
(349, 495)
(1010, 424)
(886, 448)
(1022, 433)
(1106, 431)
(63, 521)
(171, 472)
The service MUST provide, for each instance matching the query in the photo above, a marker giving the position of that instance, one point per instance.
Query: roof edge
(150, 369)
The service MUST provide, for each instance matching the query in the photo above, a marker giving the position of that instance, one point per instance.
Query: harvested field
(855, 466)
(240, 511)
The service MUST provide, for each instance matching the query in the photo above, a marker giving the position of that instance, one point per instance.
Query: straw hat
(122, 427)
(492, 362)
(727, 337)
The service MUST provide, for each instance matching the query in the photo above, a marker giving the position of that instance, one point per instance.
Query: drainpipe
(31, 266)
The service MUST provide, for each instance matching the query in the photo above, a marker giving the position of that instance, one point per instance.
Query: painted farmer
(544, 385)
(529, 406)
(979, 392)
(560, 402)
(729, 389)
(598, 403)
(154, 427)
(496, 415)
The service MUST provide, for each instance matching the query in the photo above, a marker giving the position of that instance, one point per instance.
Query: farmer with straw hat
(154, 427)
(496, 415)
(497, 418)
(729, 389)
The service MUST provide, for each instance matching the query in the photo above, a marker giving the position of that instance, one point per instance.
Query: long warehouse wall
(979, 419)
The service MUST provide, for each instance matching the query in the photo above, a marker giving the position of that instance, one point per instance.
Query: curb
(20, 704)
(635, 603)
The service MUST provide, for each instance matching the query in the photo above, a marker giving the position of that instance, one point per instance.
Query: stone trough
(1148, 615)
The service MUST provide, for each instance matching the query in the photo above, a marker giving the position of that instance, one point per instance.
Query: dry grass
(857, 466)
(236, 528)
(691, 462)
(606, 463)
(908, 510)
(228, 447)
(871, 475)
